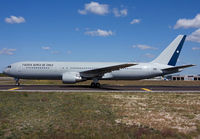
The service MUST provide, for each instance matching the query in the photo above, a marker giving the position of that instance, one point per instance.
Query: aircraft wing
(99, 72)
(177, 68)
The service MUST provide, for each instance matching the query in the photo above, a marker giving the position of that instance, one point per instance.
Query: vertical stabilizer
(170, 55)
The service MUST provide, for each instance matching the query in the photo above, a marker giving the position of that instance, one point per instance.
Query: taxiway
(104, 88)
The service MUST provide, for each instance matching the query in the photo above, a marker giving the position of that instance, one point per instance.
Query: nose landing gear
(17, 83)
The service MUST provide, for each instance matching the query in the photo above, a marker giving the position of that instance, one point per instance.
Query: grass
(99, 115)
(3, 75)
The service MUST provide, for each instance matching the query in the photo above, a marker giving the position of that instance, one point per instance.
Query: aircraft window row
(82, 68)
(9, 66)
(137, 68)
(37, 67)
(130, 68)
(94, 68)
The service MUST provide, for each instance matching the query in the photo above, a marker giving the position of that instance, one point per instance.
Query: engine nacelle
(71, 77)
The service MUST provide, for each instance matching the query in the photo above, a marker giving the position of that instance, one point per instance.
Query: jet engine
(71, 77)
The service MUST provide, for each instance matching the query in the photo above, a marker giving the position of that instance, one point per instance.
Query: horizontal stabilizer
(177, 67)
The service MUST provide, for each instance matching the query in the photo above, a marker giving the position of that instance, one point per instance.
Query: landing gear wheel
(17, 83)
(98, 85)
(93, 85)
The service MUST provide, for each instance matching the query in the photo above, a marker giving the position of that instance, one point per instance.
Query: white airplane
(72, 72)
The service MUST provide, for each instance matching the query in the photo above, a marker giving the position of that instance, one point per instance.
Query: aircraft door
(19, 69)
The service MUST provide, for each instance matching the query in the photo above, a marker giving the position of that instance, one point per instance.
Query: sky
(99, 30)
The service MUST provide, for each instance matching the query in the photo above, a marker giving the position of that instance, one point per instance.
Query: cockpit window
(9, 66)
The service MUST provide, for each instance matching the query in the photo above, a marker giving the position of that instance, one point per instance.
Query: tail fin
(170, 55)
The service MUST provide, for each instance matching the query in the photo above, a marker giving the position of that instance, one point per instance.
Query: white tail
(170, 55)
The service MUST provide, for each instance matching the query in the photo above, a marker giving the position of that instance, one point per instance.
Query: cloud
(55, 52)
(195, 36)
(188, 23)
(170, 27)
(14, 19)
(195, 48)
(77, 29)
(143, 47)
(46, 48)
(149, 55)
(95, 8)
(135, 21)
(7, 51)
(69, 52)
(99, 32)
(119, 13)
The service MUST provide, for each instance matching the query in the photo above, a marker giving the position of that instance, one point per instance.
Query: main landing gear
(95, 83)
(17, 83)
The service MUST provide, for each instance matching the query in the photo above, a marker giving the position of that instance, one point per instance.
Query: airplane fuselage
(55, 70)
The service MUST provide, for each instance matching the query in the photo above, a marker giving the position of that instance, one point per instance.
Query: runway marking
(14, 88)
(146, 89)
